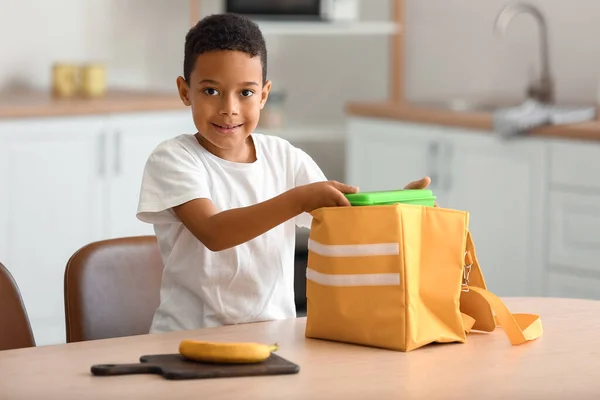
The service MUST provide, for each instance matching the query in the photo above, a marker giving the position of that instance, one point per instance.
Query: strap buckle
(466, 272)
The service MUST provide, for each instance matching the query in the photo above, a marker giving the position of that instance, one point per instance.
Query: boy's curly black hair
(224, 32)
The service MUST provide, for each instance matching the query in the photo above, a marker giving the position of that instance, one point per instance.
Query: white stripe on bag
(352, 280)
(354, 250)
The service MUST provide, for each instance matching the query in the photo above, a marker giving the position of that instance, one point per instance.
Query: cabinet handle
(434, 149)
(102, 155)
(117, 159)
(448, 175)
(448, 183)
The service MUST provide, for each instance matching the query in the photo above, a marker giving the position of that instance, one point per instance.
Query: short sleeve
(172, 176)
(307, 172)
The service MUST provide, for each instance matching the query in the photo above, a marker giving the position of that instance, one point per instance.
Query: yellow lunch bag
(400, 276)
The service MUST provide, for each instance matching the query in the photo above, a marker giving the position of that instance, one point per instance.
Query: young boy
(225, 201)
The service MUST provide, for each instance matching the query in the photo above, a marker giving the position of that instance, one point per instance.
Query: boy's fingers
(420, 184)
(343, 201)
(342, 187)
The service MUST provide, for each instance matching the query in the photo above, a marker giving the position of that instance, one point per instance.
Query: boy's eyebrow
(213, 82)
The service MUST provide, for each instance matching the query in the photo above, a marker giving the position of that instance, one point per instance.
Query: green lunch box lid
(405, 196)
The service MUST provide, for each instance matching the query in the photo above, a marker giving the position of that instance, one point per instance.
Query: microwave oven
(324, 10)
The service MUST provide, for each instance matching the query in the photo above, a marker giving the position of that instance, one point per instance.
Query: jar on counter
(272, 116)
(93, 80)
(65, 80)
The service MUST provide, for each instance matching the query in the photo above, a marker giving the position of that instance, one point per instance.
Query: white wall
(450, 50)
(142, 43)
(140, 40)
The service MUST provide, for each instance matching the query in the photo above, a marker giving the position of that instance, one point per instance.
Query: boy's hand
(323, 194)
(422, 183)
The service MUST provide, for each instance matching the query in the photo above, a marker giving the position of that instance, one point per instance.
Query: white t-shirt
(253, 281)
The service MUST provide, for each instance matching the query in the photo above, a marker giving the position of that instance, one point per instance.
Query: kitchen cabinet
(574, 166)
(66, 182)
(573, 233)
(501, 184)
(574, 244)
(383, 155)
(51, 180)
(562, 283)
(131, 139)
(574, 220)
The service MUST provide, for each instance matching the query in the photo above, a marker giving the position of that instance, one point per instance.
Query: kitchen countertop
(465, 119)
(31, 103)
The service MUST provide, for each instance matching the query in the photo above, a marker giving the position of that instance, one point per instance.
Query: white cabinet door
(574, 165)
(502, 185)
(133, 137)
(384, 155)
(574, 218)
(574, 241)
(567, 284)
(51, 180)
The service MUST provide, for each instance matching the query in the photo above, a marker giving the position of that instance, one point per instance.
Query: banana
(226, 353)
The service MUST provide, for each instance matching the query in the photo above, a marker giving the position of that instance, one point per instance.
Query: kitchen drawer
(574, 236)
(575, 164)
(571, 286)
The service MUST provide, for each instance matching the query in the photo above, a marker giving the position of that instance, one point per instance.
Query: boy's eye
(247, 93)
(211, 91)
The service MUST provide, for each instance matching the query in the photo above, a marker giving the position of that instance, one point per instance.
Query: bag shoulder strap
(519, 328)
(480, 305)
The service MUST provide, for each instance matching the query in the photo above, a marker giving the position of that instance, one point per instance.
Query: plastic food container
(422, 197)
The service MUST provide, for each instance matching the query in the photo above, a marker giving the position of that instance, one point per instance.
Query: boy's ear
(184, 90)
(265, 93)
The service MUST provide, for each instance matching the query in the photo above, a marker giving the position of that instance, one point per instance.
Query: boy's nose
(229, 106)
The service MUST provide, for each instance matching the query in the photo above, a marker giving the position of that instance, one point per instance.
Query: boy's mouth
(226, 128)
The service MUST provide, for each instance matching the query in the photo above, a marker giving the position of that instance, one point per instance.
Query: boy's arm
(306, 172)
(222, 230)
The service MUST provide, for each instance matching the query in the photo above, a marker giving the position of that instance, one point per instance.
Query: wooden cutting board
(175, 366)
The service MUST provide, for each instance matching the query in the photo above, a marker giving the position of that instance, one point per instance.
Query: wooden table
(562, 363)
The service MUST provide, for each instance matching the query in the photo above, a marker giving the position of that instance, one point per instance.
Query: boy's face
(226, 95)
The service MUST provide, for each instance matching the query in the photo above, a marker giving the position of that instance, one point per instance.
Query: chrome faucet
(543, 90)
